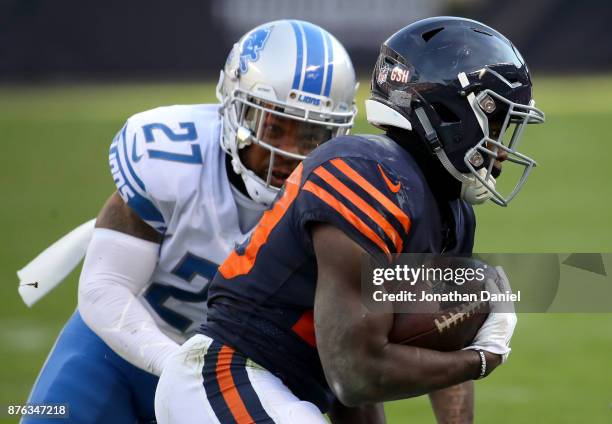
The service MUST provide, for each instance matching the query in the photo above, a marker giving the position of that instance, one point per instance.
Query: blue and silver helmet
(285, 69)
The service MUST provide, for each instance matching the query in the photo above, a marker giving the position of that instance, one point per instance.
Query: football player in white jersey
(191, 182)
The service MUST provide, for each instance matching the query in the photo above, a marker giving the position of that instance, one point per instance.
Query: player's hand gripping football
(495, 334)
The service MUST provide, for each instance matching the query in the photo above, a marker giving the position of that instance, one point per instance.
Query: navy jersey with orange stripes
(261, 300)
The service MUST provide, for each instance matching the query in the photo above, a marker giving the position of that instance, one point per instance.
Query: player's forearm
(400, 372)
(426, 370)
(362, 367)
(360, 364)
(128, 329)
(455, 404)
(117, 267)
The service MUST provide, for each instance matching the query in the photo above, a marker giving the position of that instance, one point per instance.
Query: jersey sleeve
(148, 166)
(360, 198)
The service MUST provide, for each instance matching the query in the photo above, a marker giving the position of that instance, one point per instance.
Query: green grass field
(53, 176)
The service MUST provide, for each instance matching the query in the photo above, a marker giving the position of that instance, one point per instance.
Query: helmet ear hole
(446, 115)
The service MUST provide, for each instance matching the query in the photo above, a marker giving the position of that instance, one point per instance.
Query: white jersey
(168, 166)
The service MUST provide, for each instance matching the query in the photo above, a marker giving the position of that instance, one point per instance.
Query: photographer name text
(453, 296)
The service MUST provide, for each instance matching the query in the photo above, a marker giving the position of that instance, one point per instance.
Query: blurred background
(72, 72)
(67, 39)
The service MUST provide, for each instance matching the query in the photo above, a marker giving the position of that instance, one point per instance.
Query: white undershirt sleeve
(117, 268)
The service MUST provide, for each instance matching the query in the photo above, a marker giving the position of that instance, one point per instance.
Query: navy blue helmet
(466, 91)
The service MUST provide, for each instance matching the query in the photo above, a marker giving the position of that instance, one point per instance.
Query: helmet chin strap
(475, 192)
(472, 190)
(434, 143)
(258, 190)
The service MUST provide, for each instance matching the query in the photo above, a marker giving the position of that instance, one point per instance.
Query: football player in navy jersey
(287, 335)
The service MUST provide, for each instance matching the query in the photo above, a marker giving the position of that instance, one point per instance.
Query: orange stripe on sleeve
(228, 387)
(374, 192)
(363, 205)
(347, 214)
(236, 264)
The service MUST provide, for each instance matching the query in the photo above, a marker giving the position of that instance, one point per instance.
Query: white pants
(207, 382)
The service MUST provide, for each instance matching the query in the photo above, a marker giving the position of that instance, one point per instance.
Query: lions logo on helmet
(251, 47)
(303, 75)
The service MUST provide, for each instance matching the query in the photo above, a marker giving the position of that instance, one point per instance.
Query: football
(446, 315)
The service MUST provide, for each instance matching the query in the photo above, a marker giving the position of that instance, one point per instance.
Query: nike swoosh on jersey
(135, 157)
(393, 187)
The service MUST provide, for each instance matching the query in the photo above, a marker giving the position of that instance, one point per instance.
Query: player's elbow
(350, 393)
(99, 299)
(358, 381)
(89, 301)
(372, 377)
(359, 389)
(348, 397)
(89, 294)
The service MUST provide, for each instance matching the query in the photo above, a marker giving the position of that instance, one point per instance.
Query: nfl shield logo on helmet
(251, 47)
(383, 71)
